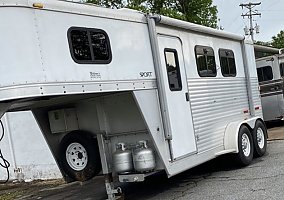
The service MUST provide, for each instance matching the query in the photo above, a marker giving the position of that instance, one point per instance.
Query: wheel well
(232, 130)
(251, 124)
(84, 132)
(262, 122)
(248, 126)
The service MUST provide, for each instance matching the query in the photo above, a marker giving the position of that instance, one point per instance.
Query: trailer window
(264, 73)
(173, 70)
(89, 46)
(227, 62)
(205, 61)
(80, 45)
(282, 69)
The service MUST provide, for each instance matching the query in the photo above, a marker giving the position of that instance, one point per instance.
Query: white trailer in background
(270, 71)
(103, 83)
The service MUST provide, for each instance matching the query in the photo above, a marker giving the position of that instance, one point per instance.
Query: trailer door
(270, 86)
(280, 97)
(177, 98)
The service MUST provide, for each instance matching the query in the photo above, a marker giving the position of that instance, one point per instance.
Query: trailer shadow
(159, 183)
(274, 124)
(157, 186)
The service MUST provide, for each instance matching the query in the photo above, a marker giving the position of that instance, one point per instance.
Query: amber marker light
(38, 5)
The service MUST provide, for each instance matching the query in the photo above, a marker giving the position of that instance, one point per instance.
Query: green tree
(199, 12)
(278, 40)
(108, 3)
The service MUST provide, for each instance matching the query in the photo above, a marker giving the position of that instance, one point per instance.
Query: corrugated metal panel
(215, 102)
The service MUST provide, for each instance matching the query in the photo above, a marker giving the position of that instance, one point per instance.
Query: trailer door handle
(187, 96)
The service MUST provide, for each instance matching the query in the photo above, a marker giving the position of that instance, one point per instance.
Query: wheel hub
(260, 137)
(246, 145)
(76, 156)
(80, 155)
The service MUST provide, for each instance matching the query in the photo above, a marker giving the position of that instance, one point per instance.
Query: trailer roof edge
(77, 8)
(267, 49)
(195, 27)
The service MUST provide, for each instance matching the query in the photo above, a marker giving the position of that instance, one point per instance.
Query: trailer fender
(232, 131)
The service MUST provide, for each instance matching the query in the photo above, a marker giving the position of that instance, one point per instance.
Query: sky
(271, 20)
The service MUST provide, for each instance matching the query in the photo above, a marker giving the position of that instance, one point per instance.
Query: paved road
(217, 179)
(263, 179)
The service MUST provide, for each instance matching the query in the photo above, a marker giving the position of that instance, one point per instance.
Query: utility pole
(250, 13)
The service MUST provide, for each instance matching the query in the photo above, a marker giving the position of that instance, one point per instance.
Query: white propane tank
(122, 159)
(143, 158)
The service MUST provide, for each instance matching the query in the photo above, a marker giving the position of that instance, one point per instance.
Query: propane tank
(122, 159)
(143, 157)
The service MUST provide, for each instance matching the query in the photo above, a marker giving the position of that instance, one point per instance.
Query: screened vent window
(227, 62)
(264, 73)
(205, 61)
(173, 70)
(282, 70)
(89, 46)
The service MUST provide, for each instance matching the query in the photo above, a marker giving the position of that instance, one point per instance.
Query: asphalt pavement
(216, 179)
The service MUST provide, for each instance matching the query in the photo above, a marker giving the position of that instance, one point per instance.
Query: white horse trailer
(270, 71)
(133, 93)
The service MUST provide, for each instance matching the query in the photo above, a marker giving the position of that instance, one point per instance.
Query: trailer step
(129, 178)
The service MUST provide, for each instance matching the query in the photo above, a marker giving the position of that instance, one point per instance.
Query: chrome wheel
(76, 156)
(246, 145)
(260, 137)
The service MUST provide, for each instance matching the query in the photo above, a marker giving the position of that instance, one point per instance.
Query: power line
(250, 13)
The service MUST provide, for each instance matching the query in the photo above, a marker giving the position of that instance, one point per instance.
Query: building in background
(25, 148)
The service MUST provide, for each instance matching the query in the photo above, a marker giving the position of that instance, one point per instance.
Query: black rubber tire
(241, 158)
(258, 151)
(93, 166)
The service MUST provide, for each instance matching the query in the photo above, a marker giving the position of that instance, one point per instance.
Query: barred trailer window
(281, 69)
(205, 61)
(264, 73)
(89, 46)
(227, 63)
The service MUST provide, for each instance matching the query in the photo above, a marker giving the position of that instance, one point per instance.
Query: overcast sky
(271, 20)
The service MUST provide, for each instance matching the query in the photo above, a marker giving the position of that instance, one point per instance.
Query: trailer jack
(112, 193)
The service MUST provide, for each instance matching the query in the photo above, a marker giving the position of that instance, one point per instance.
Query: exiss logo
(145, 74)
